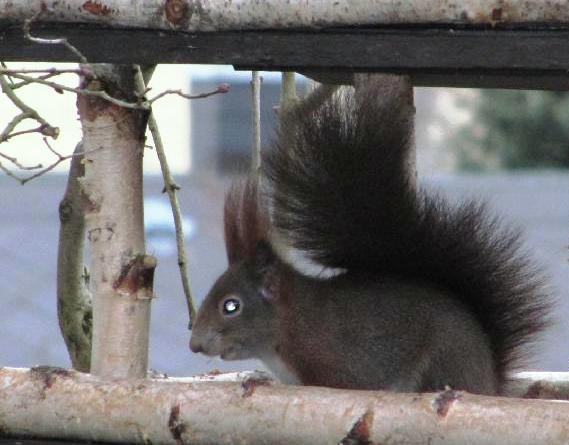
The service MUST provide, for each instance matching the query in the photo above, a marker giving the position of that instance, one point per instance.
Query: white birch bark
(121, 274)
(219, 15)
(56, 403)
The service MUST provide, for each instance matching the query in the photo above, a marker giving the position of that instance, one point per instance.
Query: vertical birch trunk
(121, 273)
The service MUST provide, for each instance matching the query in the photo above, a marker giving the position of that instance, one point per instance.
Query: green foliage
(514, 130)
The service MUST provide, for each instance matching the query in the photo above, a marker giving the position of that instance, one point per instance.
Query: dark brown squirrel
(424, 294)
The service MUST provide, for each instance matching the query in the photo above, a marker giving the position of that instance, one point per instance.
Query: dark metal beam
(522, 58)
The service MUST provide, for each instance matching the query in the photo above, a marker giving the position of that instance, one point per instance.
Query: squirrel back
(337, 187)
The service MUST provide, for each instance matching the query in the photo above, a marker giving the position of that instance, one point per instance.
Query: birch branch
(41, 169)
(221, 15)
(74, 308)
(171, 189)
(256, 121)
(61, 404)
(61, 41)
(26, 112)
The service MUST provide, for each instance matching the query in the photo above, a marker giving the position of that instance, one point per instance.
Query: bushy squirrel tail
(341, 193)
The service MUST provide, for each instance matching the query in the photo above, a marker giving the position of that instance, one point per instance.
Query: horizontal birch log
(57, 403)
(222, 15)
(476, 44)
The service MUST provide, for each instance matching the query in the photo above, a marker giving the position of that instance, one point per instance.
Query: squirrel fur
(425, 294)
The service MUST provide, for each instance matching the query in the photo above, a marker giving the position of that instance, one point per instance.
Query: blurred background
(510, 148)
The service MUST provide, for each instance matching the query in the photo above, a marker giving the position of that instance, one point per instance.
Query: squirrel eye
(231, 306)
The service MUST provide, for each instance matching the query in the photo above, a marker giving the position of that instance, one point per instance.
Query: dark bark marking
(250, 385)
(65, 210)
(97, 8)
(91, 107)
(171, 187)
(445, 400)
(176, 11)
(176, 427)
(48, 376)
(360, 432)
(98, 233)
(496, 15)
(136, 275)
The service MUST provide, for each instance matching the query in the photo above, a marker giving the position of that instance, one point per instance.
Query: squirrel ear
(264, 257)
(264, 260)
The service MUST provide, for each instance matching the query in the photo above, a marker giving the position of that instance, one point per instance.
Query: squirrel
(418, 295)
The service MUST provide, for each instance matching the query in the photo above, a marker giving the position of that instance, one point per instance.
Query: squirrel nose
(195, 345)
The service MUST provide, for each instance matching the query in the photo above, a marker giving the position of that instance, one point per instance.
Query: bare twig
(46, 129)
(170, 188)
(8, 131)
(144, 105)
(5, 68)
(44, 77)
(57, 71)
(97, 93)
(12, 134)
(221, 89)
(27, 112)
(256, 120)
(60, 41)
(60, 159)
(18, 164)
(9, 173)
(55, 152)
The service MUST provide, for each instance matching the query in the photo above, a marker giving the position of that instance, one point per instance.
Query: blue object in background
(160, 229)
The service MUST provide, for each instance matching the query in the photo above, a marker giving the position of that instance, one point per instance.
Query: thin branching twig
(19, 165)
(171, 188)
(27, 112)
(221, 89)
(56, 71)
(26, 77)
(256, 121)
(59, 160)
(41, 41)
(143, 105)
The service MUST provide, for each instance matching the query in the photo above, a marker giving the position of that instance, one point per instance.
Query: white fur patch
(280, 370)
(299, 261)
